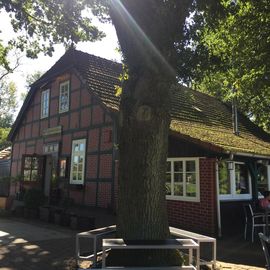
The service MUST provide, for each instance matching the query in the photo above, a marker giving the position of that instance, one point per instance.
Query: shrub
(34, 198)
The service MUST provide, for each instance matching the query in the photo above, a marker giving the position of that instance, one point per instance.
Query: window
(64, 97)
(63, 167)
(77, 162)
(263, 177)
(32, 168)
(182, 179)
(45, 100)
(234, 183)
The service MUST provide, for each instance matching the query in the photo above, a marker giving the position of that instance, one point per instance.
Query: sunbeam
(140, 37)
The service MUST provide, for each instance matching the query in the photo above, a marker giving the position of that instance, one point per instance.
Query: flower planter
(45, 213)
(30, 213)
(82, 222)
(73, 221)
(19, 211)
(65, 219)
(57, 217)
(61, 218)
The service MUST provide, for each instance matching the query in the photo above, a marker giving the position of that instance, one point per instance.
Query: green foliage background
(229, 47)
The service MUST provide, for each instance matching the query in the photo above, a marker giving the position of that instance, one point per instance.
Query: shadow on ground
(235, 250)
(38, 246)
(34, 245)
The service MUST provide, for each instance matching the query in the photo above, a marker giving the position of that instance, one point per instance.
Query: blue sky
(105, 48)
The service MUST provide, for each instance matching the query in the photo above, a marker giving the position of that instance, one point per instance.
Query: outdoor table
(118, 243)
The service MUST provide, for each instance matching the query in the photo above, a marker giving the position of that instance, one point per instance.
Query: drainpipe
(234, 114)
(218, 202)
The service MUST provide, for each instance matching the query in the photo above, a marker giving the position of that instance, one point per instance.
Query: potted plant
(45, 213)
(33, 199)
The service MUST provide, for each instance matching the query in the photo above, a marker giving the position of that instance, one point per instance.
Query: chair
(265, 241)
(254, 219)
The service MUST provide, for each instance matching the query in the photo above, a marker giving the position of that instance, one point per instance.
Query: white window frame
(77, 153)
(61, 89)
(233, 195)
(260, 196)
(45, 104)
(197, 173)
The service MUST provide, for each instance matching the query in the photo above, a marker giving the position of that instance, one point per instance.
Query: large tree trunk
(147, 43)
(144, 126)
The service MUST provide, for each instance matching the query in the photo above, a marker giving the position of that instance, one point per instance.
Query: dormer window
(64, 97)
(45, 101)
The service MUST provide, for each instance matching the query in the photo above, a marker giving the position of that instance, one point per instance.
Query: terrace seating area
(189, 241)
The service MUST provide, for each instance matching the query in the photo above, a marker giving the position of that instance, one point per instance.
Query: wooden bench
(199, 238)
(118, 243)
(95, 234)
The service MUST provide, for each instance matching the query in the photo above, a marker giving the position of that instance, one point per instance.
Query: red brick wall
(104, 195)
(90, 194)
(86, 118)
(197, 216)
(105, 170)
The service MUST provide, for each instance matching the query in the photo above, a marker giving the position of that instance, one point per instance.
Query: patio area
(38, 245)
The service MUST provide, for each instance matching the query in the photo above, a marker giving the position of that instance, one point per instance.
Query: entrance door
(48, 175)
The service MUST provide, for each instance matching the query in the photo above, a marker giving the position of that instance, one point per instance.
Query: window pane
(26, 175)
(27, 162)
(34, 163)
(241, 179)
(76, 147)
(168, 166)
(190, 166)
(75, 159)
(178, 189)
(34, 176)
(178, 184)
(80, 167)
(178, 177)
(178, 166)
(168, 184)
(75, 167)
(262, 179)
(224, 179)
(81, 147)
(74, 176)
(191, 184)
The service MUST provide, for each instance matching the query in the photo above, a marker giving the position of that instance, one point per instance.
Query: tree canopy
(7, 103)
(7, 109)
(218, 50)
(230, 50)
(39, 25)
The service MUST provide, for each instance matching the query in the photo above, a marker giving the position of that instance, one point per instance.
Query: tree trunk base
(144, 258)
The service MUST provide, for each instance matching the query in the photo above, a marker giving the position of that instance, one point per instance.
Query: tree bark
(144, 126)
(147, 43)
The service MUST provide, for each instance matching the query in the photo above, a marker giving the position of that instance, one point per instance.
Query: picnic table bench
(118, 243)
(95, 235)
(199, 238)
(100, 233)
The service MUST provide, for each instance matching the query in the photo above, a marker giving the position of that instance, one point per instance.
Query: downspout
(218, 202)
(234, 114)
(254, 179)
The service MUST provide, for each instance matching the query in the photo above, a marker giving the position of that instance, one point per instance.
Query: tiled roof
(194, 115)
(202, 117)
(102, 76)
